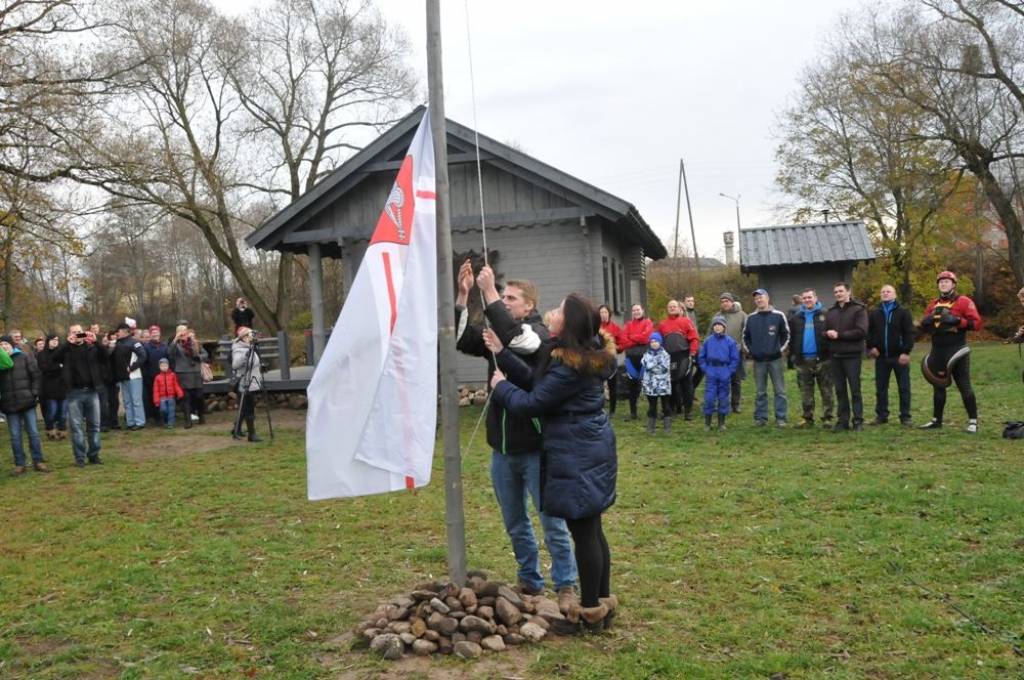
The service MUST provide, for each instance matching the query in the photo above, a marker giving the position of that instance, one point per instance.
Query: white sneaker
(972, 426)
(193, 417)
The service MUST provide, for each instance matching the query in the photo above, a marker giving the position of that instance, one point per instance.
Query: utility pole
(455, 518)
(689, 211)
(676, 264)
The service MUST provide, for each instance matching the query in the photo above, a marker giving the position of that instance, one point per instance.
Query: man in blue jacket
(810, 357)
(765, 338)
(891, 334)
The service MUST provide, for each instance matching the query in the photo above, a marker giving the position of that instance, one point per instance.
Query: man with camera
(82, 360)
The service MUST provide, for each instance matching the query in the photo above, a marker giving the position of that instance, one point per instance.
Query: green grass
(757, 553)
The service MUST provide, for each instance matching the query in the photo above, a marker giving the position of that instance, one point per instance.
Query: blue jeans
(167, 408)
(54, 413)
(84, 416)
(131, 395)
(762, 371)
(26, 420)
(513, 476)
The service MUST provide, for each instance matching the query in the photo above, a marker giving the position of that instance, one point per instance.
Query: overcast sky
(616, 93)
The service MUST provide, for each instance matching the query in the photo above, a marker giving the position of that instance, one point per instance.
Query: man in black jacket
(516, 442)
(19, 392)
(83, 377)
(890, 340)
(846, 327)
(809, 351)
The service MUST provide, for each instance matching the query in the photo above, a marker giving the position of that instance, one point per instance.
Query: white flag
(372, 413)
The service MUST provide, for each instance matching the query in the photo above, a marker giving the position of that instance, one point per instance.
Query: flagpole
(455, 519)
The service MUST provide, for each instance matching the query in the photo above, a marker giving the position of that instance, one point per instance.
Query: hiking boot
(906, 422)
(95, 460)
(40, 467)
(972, 426)
(840, 427)
(781, 424)
(933, 424)
(760, 423)
(666, 423)
(19, 470)
(878, 421)
(858, 427)
(566, 598)
(51, 435)
(651, 423)
(79, 463)
(62, 435)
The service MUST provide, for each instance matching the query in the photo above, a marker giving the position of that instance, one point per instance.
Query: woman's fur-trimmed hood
(598, 361)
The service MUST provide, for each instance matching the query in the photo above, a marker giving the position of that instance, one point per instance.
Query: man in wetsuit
(948, 318)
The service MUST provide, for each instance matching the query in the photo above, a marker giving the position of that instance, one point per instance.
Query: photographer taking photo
(81, 360)
(245, 362)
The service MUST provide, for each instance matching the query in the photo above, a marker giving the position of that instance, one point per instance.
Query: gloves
(949, 319)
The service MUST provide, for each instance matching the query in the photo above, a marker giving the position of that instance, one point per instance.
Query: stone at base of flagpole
(483, 617)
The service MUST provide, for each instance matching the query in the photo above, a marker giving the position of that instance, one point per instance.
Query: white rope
(476, 134)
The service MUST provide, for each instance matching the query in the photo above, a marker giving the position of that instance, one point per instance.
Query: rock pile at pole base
(443, 618)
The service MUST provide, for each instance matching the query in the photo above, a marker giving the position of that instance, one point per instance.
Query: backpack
(1013, 430)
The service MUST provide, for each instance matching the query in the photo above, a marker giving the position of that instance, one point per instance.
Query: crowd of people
(666, 360)
(549, 424)
(80, 383)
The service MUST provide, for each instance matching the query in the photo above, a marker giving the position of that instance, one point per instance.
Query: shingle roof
(805, 244)
(269, 235)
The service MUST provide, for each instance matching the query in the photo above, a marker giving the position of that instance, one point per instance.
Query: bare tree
(939, 67)
(849, 145)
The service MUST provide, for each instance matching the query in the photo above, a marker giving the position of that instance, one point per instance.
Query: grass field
(755, 553)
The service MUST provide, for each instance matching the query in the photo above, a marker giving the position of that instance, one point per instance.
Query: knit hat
(163, 360)
(718, 320)
(6, 338)
(655, 336)
(727, 296)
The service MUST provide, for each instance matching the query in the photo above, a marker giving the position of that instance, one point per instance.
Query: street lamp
(736, 200)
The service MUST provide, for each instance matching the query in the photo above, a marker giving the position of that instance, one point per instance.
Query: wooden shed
(543, 224)
(788, 259)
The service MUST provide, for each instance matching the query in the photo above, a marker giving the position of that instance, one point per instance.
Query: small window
(604, 268)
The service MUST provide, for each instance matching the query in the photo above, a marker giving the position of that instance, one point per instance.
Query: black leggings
(652, 406)
(593, 559)
(962, 376)
(613, 392)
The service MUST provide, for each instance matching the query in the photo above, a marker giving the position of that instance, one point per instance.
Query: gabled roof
(805, 244)
(270, 235)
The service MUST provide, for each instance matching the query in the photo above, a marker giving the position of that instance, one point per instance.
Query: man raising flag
(373, 398)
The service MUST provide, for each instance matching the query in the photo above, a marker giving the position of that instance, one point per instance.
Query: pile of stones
(444, 618)
(469, 396)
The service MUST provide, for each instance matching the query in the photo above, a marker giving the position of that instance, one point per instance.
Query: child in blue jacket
(719, 358)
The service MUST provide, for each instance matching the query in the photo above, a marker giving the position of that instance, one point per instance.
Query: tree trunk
(1003, 205)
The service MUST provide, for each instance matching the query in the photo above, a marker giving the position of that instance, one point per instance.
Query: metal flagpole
(455, 519)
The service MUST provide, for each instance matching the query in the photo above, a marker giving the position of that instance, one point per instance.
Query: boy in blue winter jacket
(657, 383)
(719, 358)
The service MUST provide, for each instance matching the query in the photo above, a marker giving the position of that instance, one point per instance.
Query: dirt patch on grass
(512, 663)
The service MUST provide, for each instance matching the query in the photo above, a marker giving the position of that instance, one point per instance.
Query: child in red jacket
(166, 392)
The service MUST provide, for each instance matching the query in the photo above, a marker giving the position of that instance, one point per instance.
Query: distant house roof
(375, 157)
(804, 244)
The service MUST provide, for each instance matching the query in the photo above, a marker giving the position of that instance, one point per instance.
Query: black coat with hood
(52, 370)
(506, 433)
(579, 466)
(20, 385)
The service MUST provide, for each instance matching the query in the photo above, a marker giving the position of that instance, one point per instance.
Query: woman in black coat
(579, 464)
(53, 396)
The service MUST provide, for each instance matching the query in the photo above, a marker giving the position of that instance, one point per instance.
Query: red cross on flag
(372, 413)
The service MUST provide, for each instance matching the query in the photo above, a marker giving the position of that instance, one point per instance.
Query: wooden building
(542, 224)
(789, 259)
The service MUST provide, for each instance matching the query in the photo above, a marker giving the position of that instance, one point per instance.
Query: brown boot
(593, 617)
(612, 602)
(566, 598)
(40, 467)
(62, 435)
(51, 435)
(19, 469)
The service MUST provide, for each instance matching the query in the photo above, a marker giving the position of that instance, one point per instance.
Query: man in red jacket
(948, 318)
(682, 344)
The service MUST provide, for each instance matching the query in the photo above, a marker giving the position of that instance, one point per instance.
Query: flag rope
(483, 217)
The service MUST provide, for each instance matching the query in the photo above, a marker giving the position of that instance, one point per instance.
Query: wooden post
(316, 299)
(284, 355)
(455, 520)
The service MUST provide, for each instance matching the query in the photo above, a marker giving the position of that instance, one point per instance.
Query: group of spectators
(667, 360)
(80, 382)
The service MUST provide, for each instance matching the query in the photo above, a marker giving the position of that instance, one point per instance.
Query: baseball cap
(760, 291)
(727, 296)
